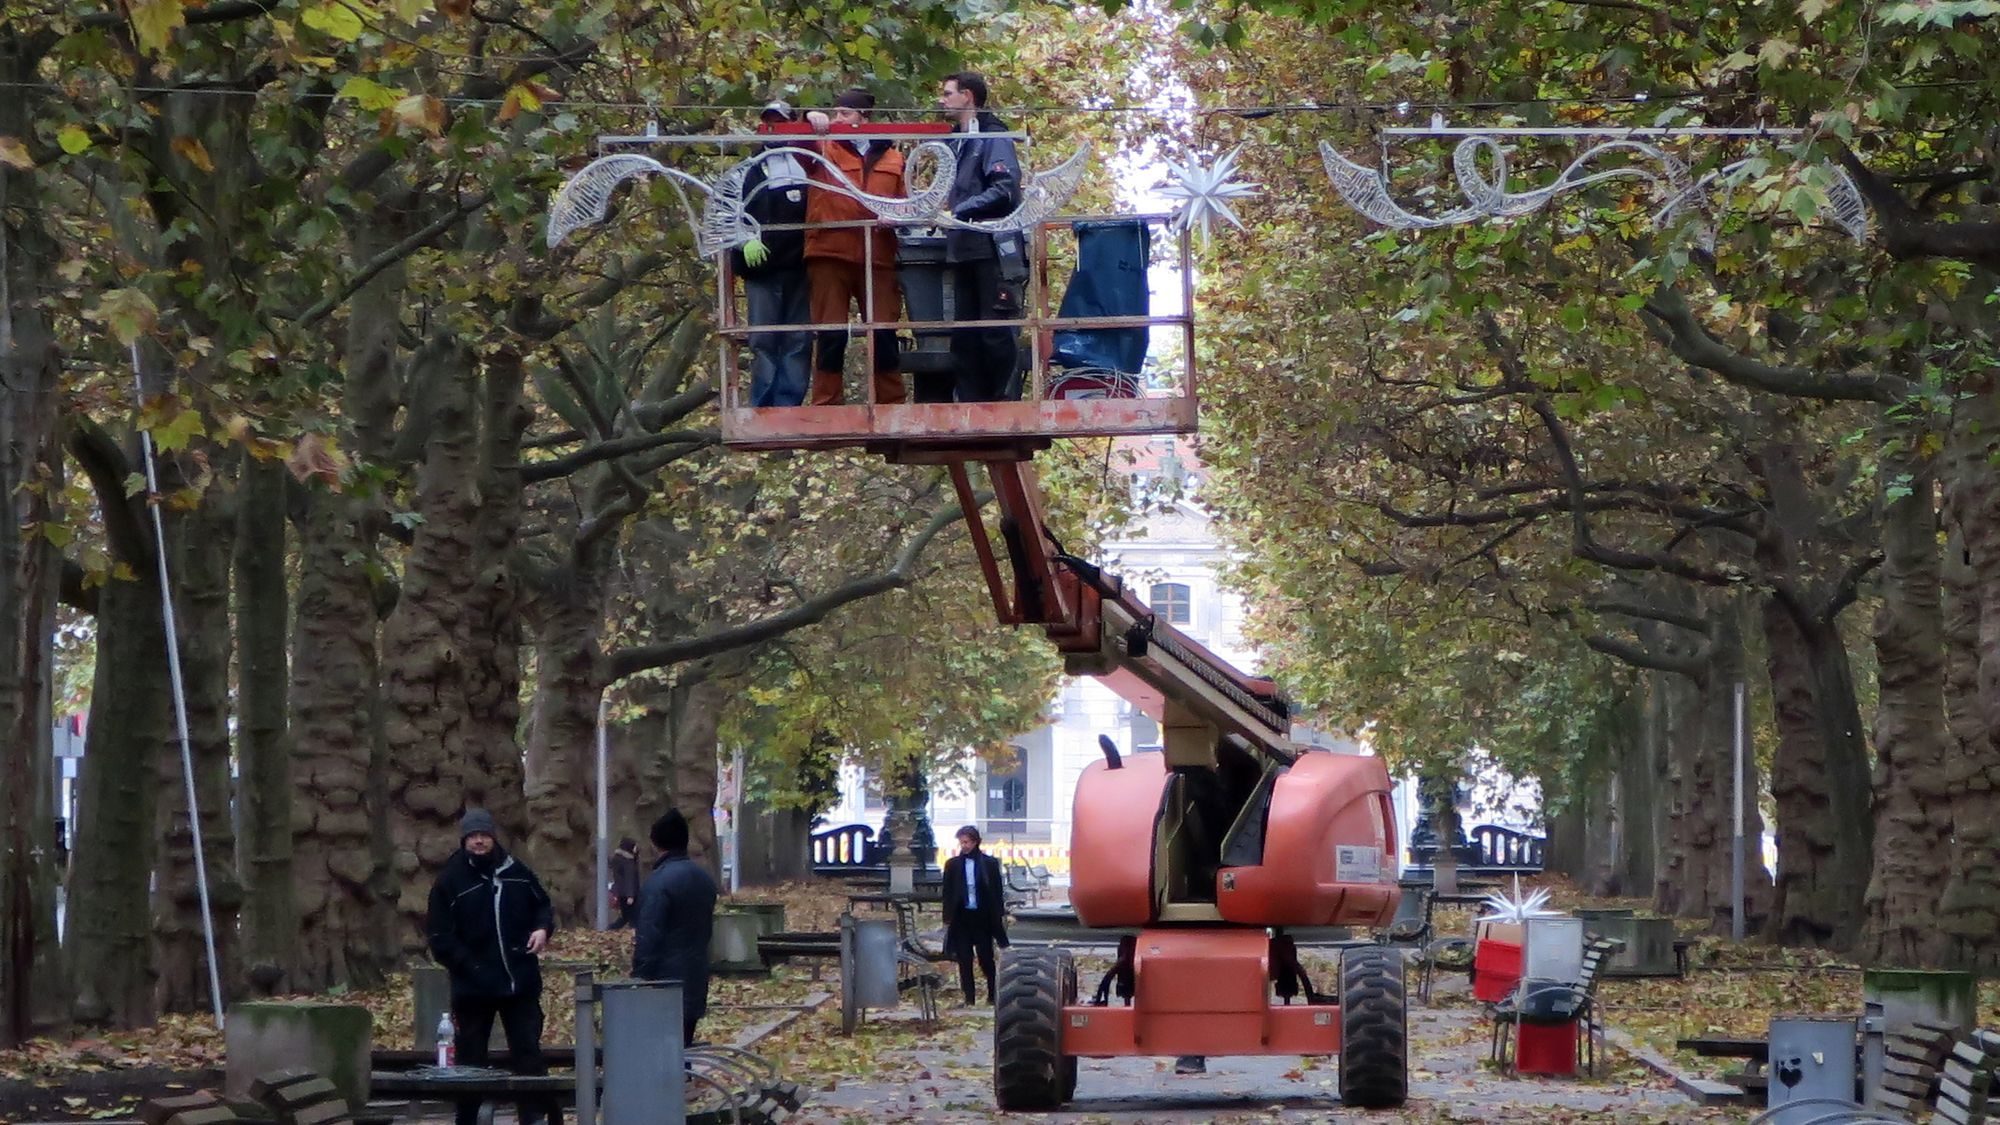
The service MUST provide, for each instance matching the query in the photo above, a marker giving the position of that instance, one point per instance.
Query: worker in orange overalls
(840, 261)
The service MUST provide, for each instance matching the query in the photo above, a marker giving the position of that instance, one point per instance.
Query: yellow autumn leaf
(154, 21)
(529, 98)
(128, 313)
(14, 154)
(368, 93)
(193, 151)
(335, 19)
(73, 139)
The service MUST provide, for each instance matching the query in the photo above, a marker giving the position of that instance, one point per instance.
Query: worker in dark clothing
(773, 269)
(489, 921)
(625, 882)
(676, 915)
(987, 271)
(975, 911)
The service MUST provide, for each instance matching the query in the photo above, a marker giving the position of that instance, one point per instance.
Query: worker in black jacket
(987, 271)
(676, 916)
(773, 269)
(489, 921)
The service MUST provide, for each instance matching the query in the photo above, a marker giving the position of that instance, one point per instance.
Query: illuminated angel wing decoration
(585, 198)
(919, 204)
(1845, 207)
(1045, 193)
(1491, 197)
(1367, 191)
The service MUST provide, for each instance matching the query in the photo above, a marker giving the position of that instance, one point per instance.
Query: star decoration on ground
(1205, 194)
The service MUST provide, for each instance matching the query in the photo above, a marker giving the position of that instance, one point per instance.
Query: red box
(1546, 1049)
(1496, 969)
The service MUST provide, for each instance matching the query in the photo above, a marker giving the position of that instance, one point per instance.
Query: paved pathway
(904, 1074)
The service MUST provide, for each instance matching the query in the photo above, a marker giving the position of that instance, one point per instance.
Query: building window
(1172, 602)
(1007, 795)
(872, 797)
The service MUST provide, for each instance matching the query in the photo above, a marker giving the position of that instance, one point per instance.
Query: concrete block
(331, 1040)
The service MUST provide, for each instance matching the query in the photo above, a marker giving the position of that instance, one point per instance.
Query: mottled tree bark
(677, 760)
(337, 765)
(341, 847)
(200, 542)
(426, 663)
(30, 962)
(451, 669)
(1818, 783)
(1969, 908)
(270, 920)
(1639, 812)
(109, 941)
(774, 845)
(562, 729)
(1912, 851)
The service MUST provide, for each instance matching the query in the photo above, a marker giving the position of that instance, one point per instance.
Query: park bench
(1579, 997)
(1021, 886)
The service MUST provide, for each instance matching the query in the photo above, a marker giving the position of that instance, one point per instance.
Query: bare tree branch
(536, 471)
(1650, 612)
(626, 662)
(1906, 234)
(1694, 666)
(1675, 325)
(408, 246)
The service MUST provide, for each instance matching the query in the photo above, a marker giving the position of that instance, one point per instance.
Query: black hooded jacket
(482, 910)
(986, 186)
(770, 206)
(676, 917)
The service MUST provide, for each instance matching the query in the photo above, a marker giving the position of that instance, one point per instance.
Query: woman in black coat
(975, 910)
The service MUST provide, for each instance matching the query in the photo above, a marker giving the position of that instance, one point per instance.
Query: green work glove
(755, 253)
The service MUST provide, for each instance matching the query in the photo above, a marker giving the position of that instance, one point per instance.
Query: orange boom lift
(1214, 847)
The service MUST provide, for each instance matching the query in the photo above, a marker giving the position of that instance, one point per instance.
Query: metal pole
(603, 816)
(180, 698)
(1736, 847)
(586, 1048)
(736, 822)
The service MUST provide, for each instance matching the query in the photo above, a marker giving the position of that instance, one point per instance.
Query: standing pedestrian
(676, 917)
(625, 882)
(975, 913)
(987, 271)
(489, 922)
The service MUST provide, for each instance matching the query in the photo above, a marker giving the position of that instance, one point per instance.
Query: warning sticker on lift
(1353, 863)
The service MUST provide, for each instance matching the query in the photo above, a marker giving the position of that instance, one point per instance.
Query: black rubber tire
(1069, 1062)
(1029, 1071)
(1374, 1029)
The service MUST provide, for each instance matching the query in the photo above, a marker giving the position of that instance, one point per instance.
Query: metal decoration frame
(722, 223)
(1480, 170)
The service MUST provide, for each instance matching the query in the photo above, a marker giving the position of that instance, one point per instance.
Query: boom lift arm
(1202, 702)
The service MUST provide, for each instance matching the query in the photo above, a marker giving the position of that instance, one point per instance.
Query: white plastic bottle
(447, 1041)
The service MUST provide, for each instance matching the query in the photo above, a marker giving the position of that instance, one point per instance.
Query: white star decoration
(1205, 193)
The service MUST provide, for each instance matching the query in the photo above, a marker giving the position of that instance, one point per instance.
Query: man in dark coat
(773, 269)
(975, 911)
(676, 915)
(625, 882)
(986, 270)
(489, 921)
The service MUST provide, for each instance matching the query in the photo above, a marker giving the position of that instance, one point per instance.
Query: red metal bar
(1021, 504)
(982, 545)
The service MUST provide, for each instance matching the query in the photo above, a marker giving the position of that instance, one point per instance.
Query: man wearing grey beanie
(489, 921)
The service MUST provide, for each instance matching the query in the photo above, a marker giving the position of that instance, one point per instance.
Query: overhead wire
(1400, 106)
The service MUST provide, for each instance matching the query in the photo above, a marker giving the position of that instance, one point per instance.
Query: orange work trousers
(836, 285)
